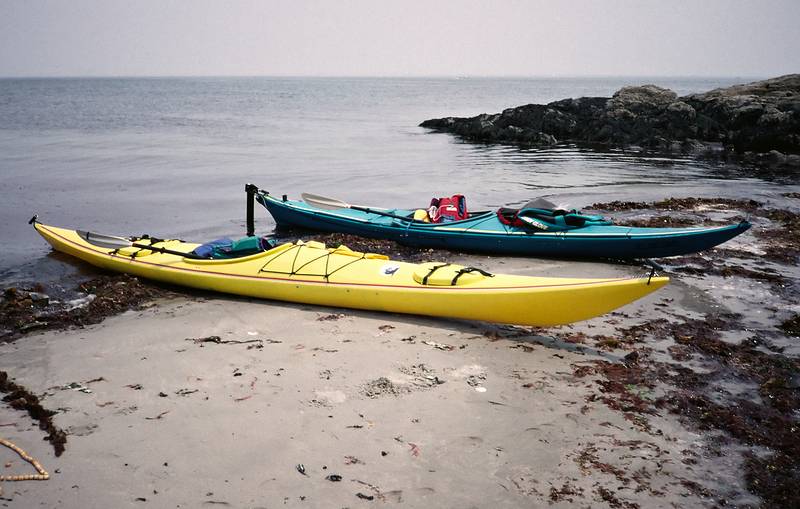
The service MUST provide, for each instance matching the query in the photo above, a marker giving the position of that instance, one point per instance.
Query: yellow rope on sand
(41, 476)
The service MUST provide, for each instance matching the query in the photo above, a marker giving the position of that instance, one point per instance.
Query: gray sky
(402, 38)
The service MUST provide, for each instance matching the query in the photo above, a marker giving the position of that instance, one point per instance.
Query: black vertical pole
(251, 190)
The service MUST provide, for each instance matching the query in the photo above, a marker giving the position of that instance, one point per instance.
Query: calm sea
(170, 156)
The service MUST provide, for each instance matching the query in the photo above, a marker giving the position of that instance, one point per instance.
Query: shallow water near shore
(170, 156)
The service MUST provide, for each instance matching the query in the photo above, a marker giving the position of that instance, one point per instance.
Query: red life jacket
(444, 210)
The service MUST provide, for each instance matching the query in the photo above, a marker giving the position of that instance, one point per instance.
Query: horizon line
(391, 76)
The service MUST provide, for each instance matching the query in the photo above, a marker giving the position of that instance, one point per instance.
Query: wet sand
(218, 401)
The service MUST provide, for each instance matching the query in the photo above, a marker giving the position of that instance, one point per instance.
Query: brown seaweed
(24, 310)
(767, 418)
(20, 398)
(679, 204)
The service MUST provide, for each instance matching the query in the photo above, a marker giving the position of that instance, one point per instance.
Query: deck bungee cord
(295, 271)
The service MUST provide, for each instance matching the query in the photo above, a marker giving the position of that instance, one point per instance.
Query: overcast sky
(402, 38)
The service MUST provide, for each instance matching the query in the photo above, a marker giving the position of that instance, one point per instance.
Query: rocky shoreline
(756, 123)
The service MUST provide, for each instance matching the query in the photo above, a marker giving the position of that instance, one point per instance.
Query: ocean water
(170, 156)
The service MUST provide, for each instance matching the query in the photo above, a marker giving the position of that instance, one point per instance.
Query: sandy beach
(208, 400)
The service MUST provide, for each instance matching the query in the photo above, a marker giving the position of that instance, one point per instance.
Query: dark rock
(759, 122)
(792, 326)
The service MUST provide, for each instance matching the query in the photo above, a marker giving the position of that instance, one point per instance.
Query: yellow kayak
(313, 274)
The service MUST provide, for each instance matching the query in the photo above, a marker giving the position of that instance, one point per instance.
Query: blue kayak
(535, 230)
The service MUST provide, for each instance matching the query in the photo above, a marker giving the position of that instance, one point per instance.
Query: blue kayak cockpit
(544, 215)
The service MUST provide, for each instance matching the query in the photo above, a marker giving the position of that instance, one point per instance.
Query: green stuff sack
(223, 249)
(245, 246)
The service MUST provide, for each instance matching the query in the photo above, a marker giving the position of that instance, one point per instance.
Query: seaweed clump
(680, 204)
(659, 222)
(27, 309)
(21, 399)
(783, 243)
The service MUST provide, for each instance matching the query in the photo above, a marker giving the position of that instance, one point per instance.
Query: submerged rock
(758, 121)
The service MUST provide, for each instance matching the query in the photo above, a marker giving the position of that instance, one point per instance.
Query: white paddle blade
(323, 202)
(107, 241)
